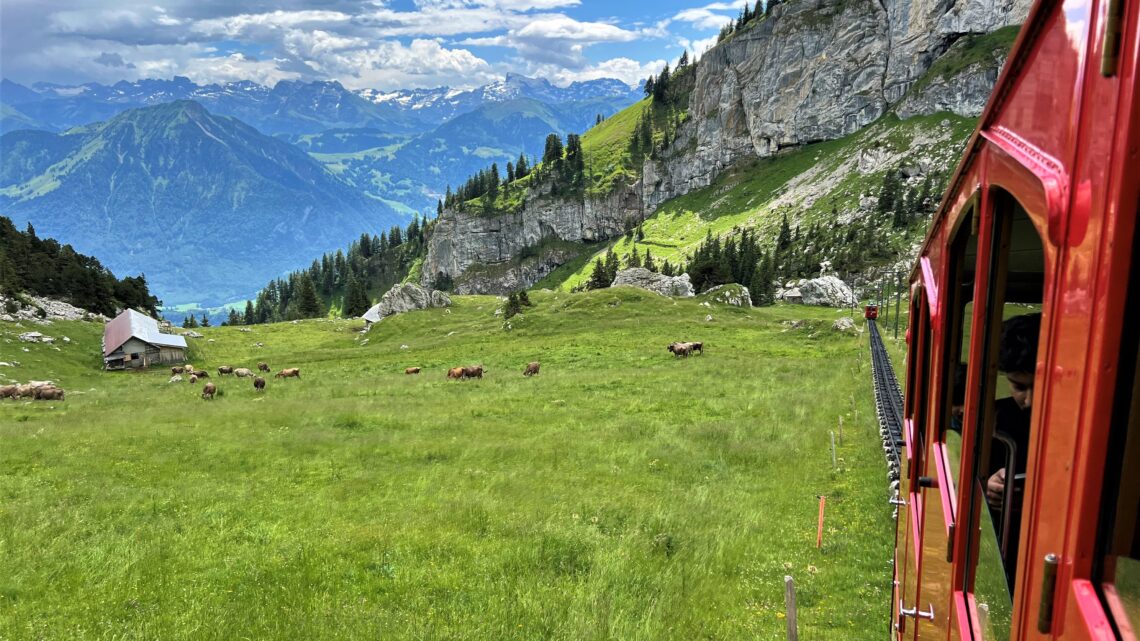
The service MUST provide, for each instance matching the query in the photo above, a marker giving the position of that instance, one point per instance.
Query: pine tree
(611, 265)
(510, 172)
(649, 86)
(784, 238)
(684, 61)
(634, 258)
(598, 278)
(205, 320)
(250, 317)
(552, 152)
(234, 318)
(307, 304)
(640, 234)
(649, 261)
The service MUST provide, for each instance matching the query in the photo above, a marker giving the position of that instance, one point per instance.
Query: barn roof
(132, 324)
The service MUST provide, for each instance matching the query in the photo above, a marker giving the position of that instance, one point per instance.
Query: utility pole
(898, 299)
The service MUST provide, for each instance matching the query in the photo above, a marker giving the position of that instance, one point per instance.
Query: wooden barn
(132, 340)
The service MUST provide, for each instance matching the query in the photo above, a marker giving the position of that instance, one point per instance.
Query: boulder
(731, 294)
(405, 298)
(654, 282)
(827, 291)
(844, 324)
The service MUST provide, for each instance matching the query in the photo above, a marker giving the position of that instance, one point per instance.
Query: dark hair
(959, 385)
(1018, 351)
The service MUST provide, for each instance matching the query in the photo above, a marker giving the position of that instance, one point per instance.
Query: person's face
(1021, 388)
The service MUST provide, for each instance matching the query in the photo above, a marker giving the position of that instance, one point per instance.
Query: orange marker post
(819, 529)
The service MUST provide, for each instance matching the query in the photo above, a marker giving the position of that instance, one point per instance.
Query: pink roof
(137, 325)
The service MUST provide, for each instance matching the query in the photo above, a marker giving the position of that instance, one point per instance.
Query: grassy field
(620, 494)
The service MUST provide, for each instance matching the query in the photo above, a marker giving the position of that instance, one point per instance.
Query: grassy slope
(620, 494)
(747, 195)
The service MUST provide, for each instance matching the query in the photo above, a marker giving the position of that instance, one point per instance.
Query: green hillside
(621, 493)
(809, 185)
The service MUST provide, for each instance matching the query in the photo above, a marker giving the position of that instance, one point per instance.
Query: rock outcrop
(826, 291)
(405, 298)
(679, 286)
(43, 310)
(731, 294)
(813, 70)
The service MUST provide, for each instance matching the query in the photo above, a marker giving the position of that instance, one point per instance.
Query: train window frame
(1122, 463)
(956, 300)
(918, 380)
(1007, 221)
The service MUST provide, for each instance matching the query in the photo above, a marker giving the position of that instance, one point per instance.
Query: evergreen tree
(784, 237)
(510, 172)
(634, 258)
(649, 86)
(684, 61)
(552, 152)
(599, 279)
(205, 320)
(661, 86)
(640, 234)
(611, 265)
(234, 318)
(307, 305)
(250, 316)
(649, 261)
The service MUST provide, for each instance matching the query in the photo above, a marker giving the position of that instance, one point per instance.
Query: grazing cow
(202, 373)
(258, 384)
(475, 371)
(25, 391)
(698, 347)
(177, 369)
(289, 372)
(411, 370)
(243, 372)
(193, 379)
(456, 372)
(8, 391)
(225, 369)
(680, 349)
(531, 369)
(263, 367)
(209, 390)
(48, 393)
(177, 378)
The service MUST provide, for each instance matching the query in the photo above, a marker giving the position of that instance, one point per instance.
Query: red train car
(1019, 498)
(871, 312)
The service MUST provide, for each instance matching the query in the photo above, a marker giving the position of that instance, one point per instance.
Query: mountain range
(204, 205)
(138, 171)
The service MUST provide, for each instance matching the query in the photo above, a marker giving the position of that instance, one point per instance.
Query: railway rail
(888, 400)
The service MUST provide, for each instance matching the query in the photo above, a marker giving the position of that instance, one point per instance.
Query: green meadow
(620, 494)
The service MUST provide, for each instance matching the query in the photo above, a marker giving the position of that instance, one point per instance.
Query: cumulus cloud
(362, 44)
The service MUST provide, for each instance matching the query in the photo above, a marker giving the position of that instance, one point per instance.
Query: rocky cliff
(813, 70)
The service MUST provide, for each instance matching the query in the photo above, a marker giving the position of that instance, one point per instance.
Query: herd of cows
(45, 390)
(210, 389)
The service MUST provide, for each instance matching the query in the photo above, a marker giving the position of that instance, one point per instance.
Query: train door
(908, 534)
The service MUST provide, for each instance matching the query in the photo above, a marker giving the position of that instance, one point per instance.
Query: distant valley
(186, 182)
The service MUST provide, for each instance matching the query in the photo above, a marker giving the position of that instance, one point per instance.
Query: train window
(959, 306)
(1119, 569)
(1000, 408)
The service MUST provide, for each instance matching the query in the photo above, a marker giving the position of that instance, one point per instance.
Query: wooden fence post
(790, 608)
(819, 528)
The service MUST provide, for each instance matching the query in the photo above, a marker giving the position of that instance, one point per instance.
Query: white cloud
(629, 71)
(254, 23)
(698, 46)
(702, 19)
(422, 63)
(232, 68)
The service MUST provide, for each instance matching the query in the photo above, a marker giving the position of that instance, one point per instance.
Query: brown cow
(474, 371)
(289, 372)
(258, 384)
(9, 391)
(243, 372)
(193, 379)
(48, 393)
(680, 349)
(25, 391)
(209, 390)
(263, 367)
(531, 369)
(411, 370)
(202, 373)
(177, 369)
(456, 372)
(225, 369)
(698, 347)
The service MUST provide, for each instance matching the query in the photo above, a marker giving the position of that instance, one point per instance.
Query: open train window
(918, 375)
(1118, 568)
(963, 256)
(999, 407)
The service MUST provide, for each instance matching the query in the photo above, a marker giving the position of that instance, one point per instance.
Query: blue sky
(379, 44)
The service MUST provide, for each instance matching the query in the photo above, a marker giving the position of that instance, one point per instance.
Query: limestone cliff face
(512, 251)
(814, 70)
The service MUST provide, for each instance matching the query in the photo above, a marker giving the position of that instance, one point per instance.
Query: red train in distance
(871, 312)
(1019, 497)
